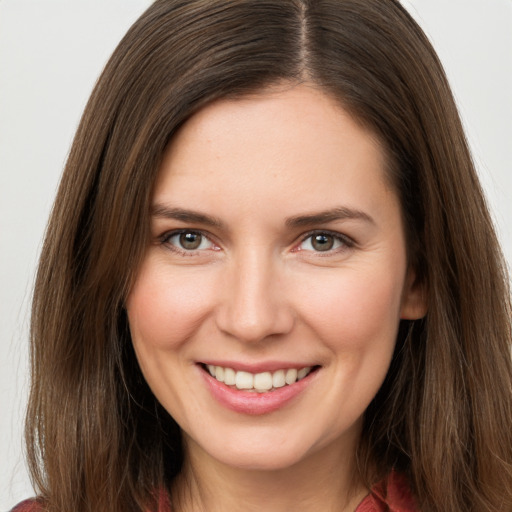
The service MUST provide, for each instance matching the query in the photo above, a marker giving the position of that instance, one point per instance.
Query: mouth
(262, 382)
(259, 392)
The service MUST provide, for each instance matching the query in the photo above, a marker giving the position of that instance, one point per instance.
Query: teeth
(279, 379)
(219, 373)
(244, 380)
(260, 382)
(302, 373)
(229, 376)
(263, 381)
(291, 376)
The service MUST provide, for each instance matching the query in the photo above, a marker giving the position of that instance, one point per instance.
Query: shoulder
(28, 506)
(391, 495)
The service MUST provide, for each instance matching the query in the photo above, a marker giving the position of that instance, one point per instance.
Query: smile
(259, 392)
(259, 382)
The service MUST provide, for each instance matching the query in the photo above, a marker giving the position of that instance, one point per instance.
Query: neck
(324, 481)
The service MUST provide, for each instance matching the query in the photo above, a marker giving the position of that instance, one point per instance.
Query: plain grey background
(51, 52)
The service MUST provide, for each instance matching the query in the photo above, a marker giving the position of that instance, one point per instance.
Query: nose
(254, 303)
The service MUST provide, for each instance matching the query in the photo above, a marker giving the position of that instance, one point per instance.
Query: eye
(188, 241)
(322, 241)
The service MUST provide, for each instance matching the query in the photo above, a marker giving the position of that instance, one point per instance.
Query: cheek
(165, 307)
(357, 319)
(355, 310)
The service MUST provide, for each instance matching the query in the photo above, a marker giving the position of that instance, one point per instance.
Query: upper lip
(257, 367)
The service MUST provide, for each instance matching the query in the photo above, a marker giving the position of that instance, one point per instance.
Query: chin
(264, 450)
(274, 460)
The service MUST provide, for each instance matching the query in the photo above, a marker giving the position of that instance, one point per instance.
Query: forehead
(300, 127)
(274, 156)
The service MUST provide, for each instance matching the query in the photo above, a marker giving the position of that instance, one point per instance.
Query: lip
(270, 366)
(254, 403)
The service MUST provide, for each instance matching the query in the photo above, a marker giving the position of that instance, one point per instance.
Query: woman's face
(277, 253)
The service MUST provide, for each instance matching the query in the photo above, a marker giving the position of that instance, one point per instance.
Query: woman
(270, 279)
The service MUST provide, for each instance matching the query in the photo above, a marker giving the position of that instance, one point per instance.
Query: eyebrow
(184, 215)
(340, 213)
(331, 215)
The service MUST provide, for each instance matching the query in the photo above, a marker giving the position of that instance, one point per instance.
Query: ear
(414, 297)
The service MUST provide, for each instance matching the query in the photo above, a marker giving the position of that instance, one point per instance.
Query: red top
(392, 496)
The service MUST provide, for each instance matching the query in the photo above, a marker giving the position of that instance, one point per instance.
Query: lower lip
(254, 403)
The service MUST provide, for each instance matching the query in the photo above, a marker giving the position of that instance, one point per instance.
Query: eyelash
(344, 241)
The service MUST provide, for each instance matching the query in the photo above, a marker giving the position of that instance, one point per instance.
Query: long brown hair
(97, 438)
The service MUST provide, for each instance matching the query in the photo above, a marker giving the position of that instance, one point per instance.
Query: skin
(257, 291)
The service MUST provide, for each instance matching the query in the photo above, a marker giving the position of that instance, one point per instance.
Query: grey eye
(322, 242)
(190, 240)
